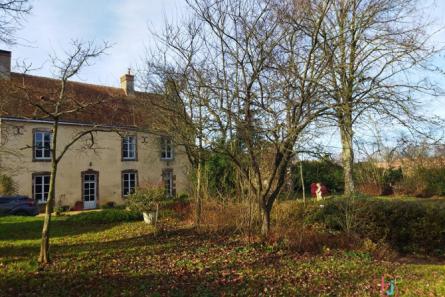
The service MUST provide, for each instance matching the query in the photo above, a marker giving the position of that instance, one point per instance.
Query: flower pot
(149, 217)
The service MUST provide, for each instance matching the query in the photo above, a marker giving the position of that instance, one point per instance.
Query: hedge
(408, 226)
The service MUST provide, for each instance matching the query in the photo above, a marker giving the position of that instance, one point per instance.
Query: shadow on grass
(11, 250)
(89, 280)
(30, 230)
(91, 284)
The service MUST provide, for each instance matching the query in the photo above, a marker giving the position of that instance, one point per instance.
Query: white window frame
(45, 148)
(39, 189)
(166, 149)
(129, 147)
(168, 182)
(127, 189)
(92, 184)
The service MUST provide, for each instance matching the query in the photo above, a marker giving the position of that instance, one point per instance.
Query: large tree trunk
(265, 228)
(347, 158)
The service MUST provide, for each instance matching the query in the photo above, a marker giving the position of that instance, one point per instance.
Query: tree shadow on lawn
(94, 284)
(174, 281)
(30, 234)
(152, 275)
(11, 253)
(31, 230)
(168, 241)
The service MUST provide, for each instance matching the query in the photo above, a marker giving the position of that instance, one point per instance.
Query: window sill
(131, 160)
(41, 160)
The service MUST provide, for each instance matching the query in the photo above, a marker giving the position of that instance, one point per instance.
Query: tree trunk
(265, 228)
(347, 158)
(198, 197)
(44, 246)
(303, 189)
(198, 210)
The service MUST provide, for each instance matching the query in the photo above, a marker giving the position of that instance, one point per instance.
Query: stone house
(89, 176)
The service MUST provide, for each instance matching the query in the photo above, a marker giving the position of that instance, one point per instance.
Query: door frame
(96, 173)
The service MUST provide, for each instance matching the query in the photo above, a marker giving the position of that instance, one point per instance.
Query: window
(169, 182)
(129, 182)
(42, 145)
(129, 148)
(41, 187)
(166, 149)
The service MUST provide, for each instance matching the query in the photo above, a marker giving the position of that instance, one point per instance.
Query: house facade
(102, 167)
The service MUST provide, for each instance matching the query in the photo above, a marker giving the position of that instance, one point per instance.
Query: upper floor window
(42, 145)
(129, 147)
(166, 148)
(129, 182)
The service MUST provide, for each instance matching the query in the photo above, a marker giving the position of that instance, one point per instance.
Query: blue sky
(125, 24)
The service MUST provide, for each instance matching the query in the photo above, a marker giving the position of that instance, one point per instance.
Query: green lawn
(128, 259)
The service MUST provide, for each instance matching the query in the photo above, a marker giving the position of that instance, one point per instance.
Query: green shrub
(106, 216)
(146, 199)
(373, 180)
(407, 226)
(325, 171)
(423, 182)
(7, 185)
(183, 197)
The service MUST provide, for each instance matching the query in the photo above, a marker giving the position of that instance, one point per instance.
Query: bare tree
(177, 117)
(380, 55)
(11, 15)
(55, 106)
(251, 70)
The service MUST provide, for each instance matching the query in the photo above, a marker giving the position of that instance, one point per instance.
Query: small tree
(55, 107)
(147, 200)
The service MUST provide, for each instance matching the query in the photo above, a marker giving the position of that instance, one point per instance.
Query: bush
(325, 171)
(146, 199)
(7, 185)
(179, 208)
(230, 217)
(407, 226)
(373, 180)
(105, 216)
(295, 229)
(423, 182)
(221, 176)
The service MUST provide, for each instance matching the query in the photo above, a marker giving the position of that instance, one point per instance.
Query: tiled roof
(115, 108)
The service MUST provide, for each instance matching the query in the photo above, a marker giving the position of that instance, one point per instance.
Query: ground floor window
(41, 187)
(169, 182)
(129, 182)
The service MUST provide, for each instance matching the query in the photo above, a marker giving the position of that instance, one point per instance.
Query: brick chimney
(5, 64)
(127, 83)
